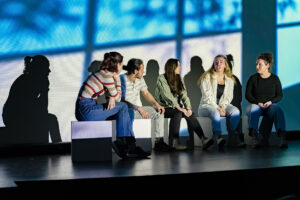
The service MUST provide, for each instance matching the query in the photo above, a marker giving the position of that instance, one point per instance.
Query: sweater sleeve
(249, 90)
(206, 90)
(278, 91)
(229, 95)
(165, 91)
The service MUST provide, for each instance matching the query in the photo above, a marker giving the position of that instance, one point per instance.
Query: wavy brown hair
(173, 79)
(111, 61)
(211, 71)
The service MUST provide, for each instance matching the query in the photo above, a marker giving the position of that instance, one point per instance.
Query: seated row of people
(120, 95)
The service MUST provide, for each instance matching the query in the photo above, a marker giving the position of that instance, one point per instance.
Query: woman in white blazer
(216, 86)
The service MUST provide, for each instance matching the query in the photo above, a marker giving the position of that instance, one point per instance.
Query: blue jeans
(273, 113)
(88, 110)
(232, 114)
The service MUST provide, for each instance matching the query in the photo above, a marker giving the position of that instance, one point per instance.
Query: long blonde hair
(211, 71)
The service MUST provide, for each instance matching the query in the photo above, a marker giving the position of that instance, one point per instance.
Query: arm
(279, 94)
(249, 88)
(114, 89)
(228, 96)
(165, 92)
(148, 96)
(206, 90)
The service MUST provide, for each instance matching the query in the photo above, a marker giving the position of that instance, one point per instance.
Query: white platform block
(91, 140)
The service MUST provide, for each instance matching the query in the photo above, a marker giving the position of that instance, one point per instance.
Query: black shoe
(137, 152)
(206, 143)
(283, 141)
(161, 146)
(221, 143)
(120, 149)
(254, 137)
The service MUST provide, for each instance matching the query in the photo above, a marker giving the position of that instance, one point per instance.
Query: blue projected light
(288, 11)
(202, 16)
(288, 41)
(135, 20)
(27, 26)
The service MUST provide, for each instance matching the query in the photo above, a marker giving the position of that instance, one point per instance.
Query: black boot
(283, 141)
(254, 136)
(206, 142)
(121, 147)
(234, 140)
(220, 141)
(135, 151)
(161, 146)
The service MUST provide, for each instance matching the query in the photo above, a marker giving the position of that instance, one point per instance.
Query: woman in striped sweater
(106, 84)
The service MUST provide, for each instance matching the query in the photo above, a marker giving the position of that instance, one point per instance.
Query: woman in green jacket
(171, 93)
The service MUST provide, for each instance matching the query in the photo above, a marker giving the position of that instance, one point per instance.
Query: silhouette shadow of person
(25, 112)
(190, 80)
(152, 72)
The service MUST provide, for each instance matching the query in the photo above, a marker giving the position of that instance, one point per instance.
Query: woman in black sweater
(263, 92)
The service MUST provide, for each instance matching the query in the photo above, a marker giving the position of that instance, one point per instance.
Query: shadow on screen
(152, 72)
(25, 112)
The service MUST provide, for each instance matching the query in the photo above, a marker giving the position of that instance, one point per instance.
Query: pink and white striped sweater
(100, 82)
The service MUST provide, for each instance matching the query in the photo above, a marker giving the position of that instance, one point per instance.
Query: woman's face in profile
(120, 67)
(178, 68)
(262, 66)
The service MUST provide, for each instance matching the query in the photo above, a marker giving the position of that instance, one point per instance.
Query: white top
(209, 92)
(131, 91)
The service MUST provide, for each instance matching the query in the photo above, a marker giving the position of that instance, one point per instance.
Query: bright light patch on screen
(65, 82)
(160, 52)
(288, 11)
(288, 42)
(202, 16)
(27, 26)
(135, 20)
(208, 47)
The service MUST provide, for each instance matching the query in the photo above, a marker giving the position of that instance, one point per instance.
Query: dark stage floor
(249, 171)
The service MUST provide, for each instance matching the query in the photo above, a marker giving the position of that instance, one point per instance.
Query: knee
(52, 117)
(274, 108)
(252, 108)
(235, 112)
(122, 105)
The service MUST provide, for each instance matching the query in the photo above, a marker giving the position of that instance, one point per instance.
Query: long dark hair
(111, 61)
(133, 64)
(173, 79)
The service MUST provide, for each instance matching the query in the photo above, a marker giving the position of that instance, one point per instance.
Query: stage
(265, 172)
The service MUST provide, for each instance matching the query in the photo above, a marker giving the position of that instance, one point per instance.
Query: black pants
(174, 127)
